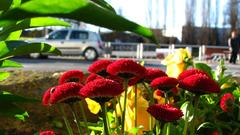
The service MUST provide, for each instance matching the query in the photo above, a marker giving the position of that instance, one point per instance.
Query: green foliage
(16, 48)
(32, 23)
(17, 15)
(104, 5)
(11, 110)
(9, 63)
(81, 10)
(4, 75)
(6, 97)
(204, 67)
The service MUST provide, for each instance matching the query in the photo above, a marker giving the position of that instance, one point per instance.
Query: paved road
(67, 63)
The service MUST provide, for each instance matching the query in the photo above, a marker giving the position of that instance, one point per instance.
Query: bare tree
(150, 15)
(206, 17)
(231, 14)
(188, 30)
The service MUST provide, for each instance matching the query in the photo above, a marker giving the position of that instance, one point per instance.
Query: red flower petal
(153, 73)
(71, 76)
(101, 88)
(226, 102)
(99, 66)
(199, 84)
(92, 77)
(46, 97)
(190, 72)
(126, 68)
(62, 93)
(165, 112)
(115, 78)
(164, 83)
(135, 80)
(47, 133)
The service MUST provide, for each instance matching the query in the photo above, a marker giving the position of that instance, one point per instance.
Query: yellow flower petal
(93, 106)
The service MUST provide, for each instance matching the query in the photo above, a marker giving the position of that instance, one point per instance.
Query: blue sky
(137, 11)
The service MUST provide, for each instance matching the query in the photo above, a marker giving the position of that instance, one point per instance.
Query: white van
(74, 42)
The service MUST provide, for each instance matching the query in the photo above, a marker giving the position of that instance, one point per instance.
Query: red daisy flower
(126, 68)
(199, 84)
(174, 90)
(135, 80)
(226, 102)
(71, 76)
(164, 83)
(65, 93)
(190, 72)
(165, 112)
(115, 78)
(215, 132)
(47, 133)
(101, 90)
(99, 67)
(92, 77)
(152, 73)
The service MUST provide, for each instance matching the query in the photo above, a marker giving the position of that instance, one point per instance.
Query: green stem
(105, 126)
(235, 131)
(150, 95)
(120, 105)
(82, 111)
(157, 127)
(185, 125)
(135, 103)
(76, 119)
(195, 106)
(116, 118)
(164, 130)
(69, 128)
(238, 114)
(168, 128)
(125, 86)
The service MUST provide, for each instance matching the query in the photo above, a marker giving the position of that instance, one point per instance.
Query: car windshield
(58, 35)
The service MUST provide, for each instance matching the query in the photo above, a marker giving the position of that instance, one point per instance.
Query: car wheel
(90, 54)
(38, 56)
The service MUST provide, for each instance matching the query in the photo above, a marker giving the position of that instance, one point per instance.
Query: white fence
(143, 50)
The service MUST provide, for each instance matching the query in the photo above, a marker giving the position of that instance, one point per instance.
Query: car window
(58, 35)
(79, 35)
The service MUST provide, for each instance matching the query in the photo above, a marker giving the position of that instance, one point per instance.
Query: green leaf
(187, 110)
(4, 75)
(6, 97)
(15, 48)
(206, 125)
(5, 23)
(133, 131)
(11, 110)
(21, 116)
(12, 36)
(32, 23)
(5, 4)
(204, 67)
(224, 79)
(9, 63)
(3, 133)
(236, 93)
(105, 5)
(81, 10)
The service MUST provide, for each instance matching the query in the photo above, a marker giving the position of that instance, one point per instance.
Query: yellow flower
(142, 104)
(176, 62)
(93, 106)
